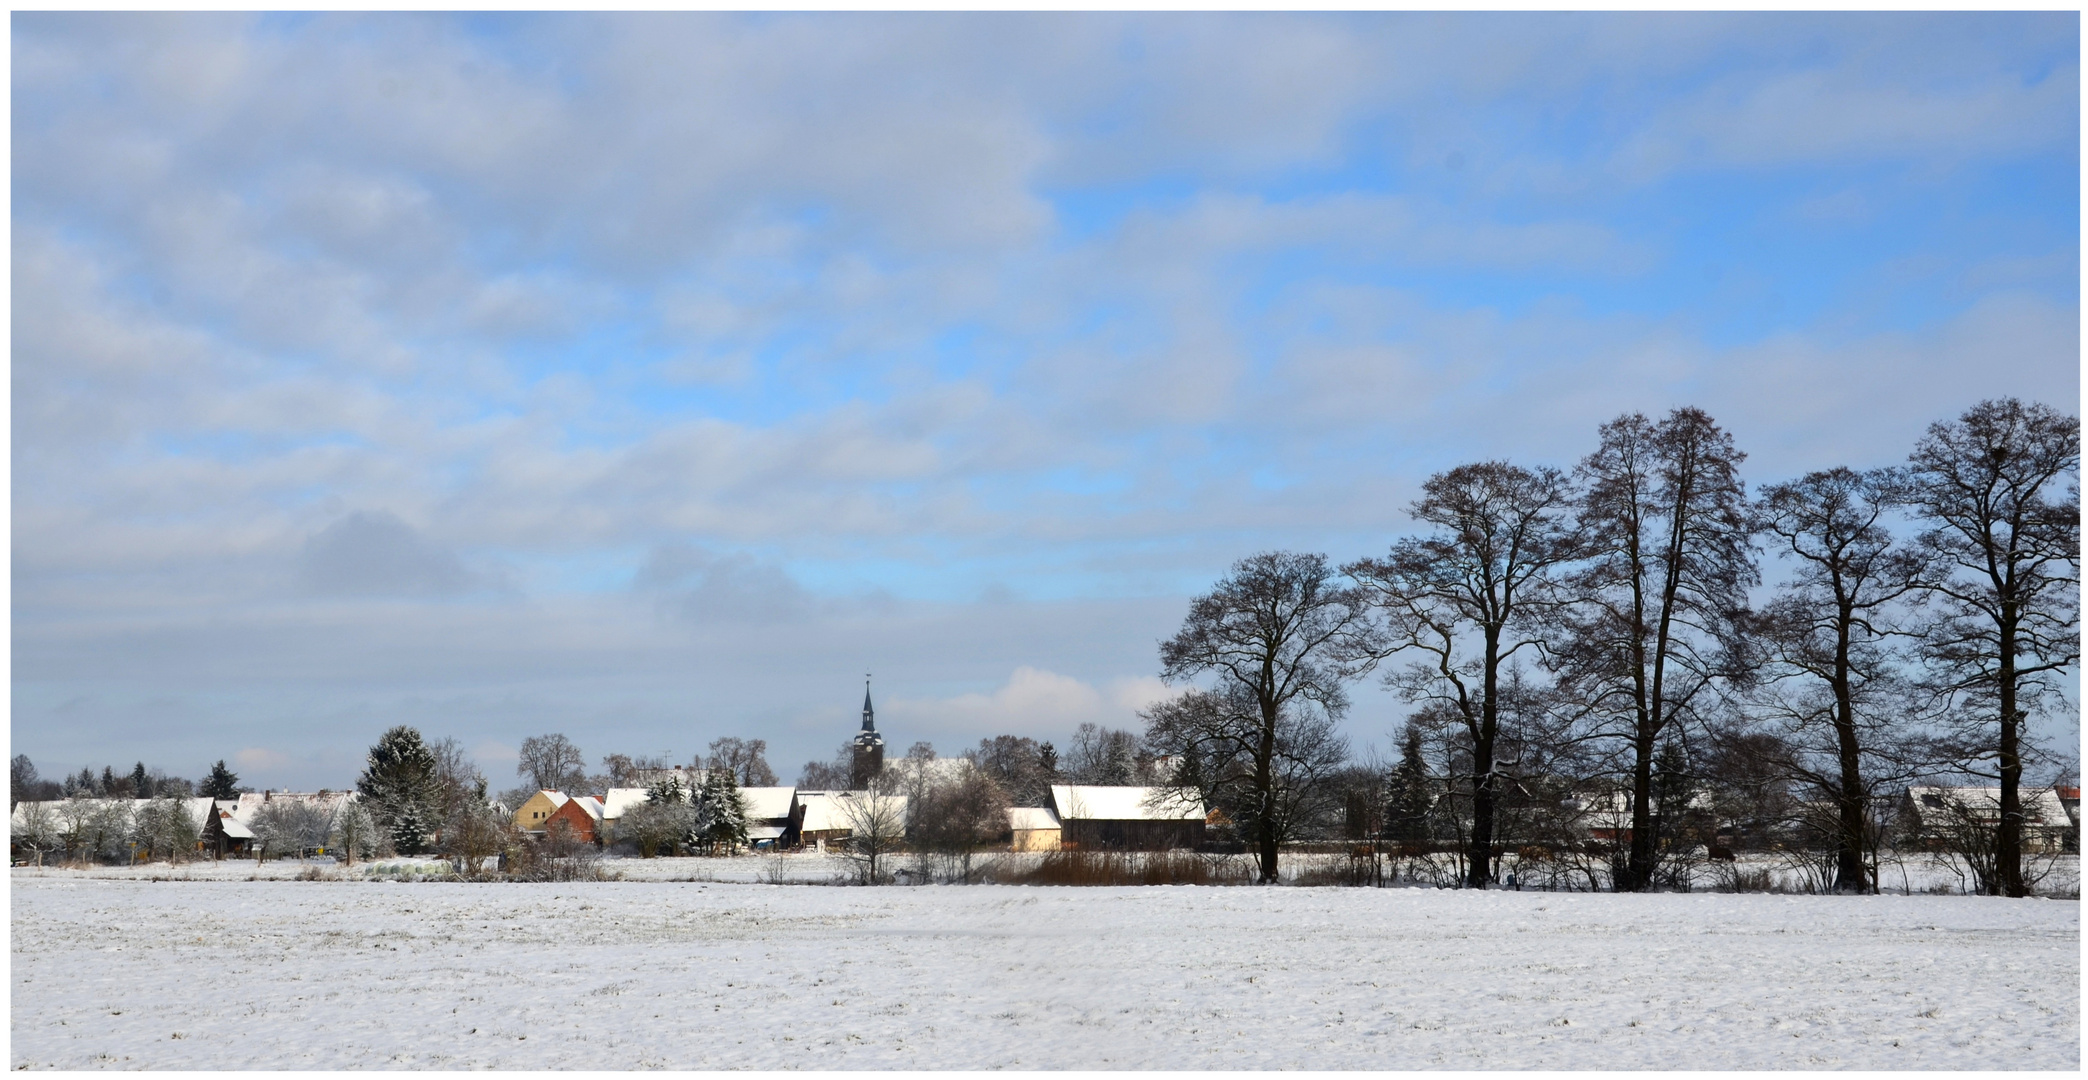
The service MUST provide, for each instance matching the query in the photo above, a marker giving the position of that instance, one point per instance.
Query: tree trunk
(1265, 794)
(1852, 797)
(2009, 851)
(1638, 875)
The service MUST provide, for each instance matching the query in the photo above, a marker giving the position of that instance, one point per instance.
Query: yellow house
(537, 809)
(1033, 828)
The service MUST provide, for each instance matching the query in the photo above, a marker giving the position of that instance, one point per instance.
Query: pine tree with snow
(721, 815)
(402, 789)
(666, 790)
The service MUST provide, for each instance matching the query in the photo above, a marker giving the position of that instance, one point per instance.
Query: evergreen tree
(721, 815)
(1408, 798)
(222, 783)
(402, 788)
(141, 784)
(107, 787)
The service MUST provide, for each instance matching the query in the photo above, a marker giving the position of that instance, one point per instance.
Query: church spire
(866, 760)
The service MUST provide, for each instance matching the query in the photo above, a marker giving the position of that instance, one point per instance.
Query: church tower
(868, 759)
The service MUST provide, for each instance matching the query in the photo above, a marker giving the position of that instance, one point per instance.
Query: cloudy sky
(653, 378)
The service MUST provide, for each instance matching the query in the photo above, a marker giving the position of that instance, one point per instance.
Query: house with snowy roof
(1930, 813)
(1032, 828)
(536, 811)
(769, 813)
(1126, 818)
(820, 817)
(582, 814)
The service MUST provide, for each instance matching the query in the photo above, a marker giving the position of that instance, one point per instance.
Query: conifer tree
(222, 783)
(721, 815)
(1408, 798)
(400, 785)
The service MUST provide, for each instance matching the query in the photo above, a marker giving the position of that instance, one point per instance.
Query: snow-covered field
(227, 973)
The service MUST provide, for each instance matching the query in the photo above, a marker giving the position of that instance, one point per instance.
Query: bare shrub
(1134, 868)
(559, 856)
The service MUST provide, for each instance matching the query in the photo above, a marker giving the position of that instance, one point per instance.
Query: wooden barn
(1095, 818)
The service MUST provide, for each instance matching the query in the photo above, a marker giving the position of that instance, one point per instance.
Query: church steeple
(867, 759)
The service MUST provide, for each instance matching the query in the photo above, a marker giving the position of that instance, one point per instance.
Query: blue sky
(650, 378)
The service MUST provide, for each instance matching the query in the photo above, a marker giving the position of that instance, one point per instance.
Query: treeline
(1597, 638)
(25, 784)
(1593, 665)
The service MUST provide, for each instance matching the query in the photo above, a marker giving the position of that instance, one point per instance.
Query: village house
(535, 811)
(582, 815)
(770, 811)
(1032, 828)
(1131, 818)
(1929, 815)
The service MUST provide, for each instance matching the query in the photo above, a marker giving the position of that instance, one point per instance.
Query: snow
(113, 971)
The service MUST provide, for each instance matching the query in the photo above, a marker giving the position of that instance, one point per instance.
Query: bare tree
(1273, 788)
(2000, 489)
(1657, 603)
(1283, 634)
(747, 758)
(1467, 598)
(1106, 756)
(292, 826)
(164, 827)
(959, 815)
(1829, 678)
(36, 829)
(552, 763)
(355, 833)
(626, 770)
(1017, 765)
(876, 830)
(831, 775)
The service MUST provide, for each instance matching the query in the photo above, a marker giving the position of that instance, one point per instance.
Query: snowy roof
(767, 803)
(621, 799)
(1095, 803)
(235, 828)
(2041, 806)
(1021, 818)
(828, 810)
(589, 805)
(764, 832)
(250, 803)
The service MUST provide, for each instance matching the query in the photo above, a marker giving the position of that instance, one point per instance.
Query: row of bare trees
(1605, 620)
(554, 763)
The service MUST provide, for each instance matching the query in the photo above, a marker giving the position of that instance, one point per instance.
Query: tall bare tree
(1657, 602)
(1828, 674)
(1284, 632)
(1015, 763)
(1467, 598)
(2000, 490)
(746, 758)
(552, 763)
(1273, 789)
